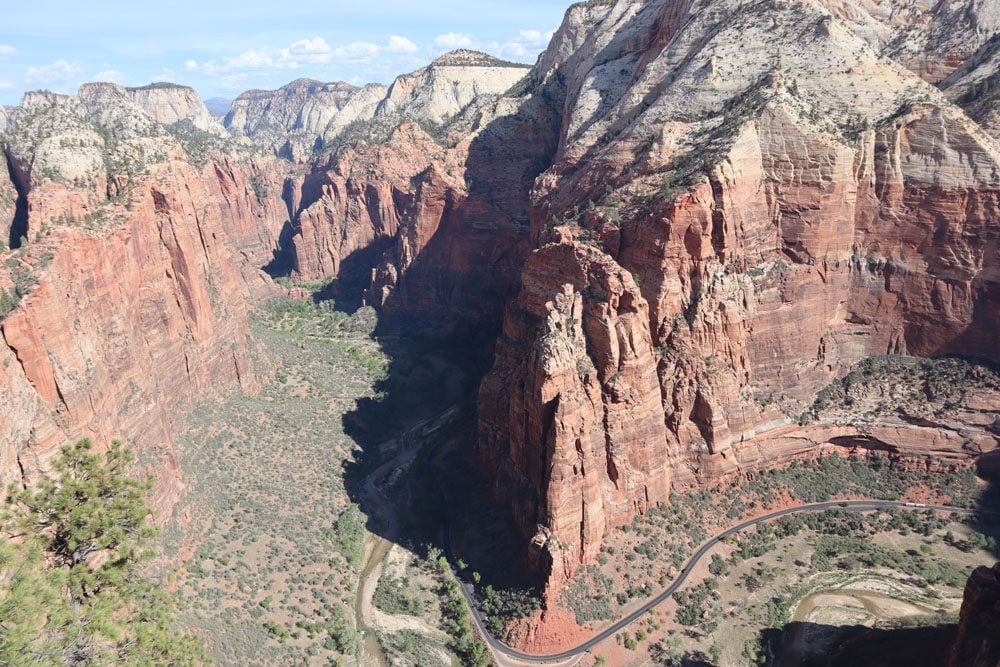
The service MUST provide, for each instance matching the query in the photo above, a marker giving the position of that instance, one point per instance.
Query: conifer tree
(71, 589)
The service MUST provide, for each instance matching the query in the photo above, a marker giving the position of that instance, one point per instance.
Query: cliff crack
(236, 365)
(19, 224)
(609, 452)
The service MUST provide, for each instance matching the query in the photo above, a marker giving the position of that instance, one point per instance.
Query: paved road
(499, 648)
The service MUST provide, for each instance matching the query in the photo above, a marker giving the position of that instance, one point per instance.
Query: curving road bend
(511, 656)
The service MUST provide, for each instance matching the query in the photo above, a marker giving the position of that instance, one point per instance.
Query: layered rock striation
(301, 116)
(680, 225)
(432, 223)
(169, 104)
(136, 228)
(747, 199)
(975, 86)
(133, 278)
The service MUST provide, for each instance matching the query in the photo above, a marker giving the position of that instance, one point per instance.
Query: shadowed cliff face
(15, 205)
(434, 229)
(977, 643)
(684, 222)
(149, 225)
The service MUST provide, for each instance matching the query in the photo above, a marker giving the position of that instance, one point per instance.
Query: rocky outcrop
(146, 232)
(11, 204)
(361, 198)
(302, 116)
(255, 205)
(589, 382)
(976, 87)
(759, 220)
(684, 222)
(136, 281)
(168, 104)
(433, 224)
(299, 120)
(438, 92)
(978, 642)
(931, 39)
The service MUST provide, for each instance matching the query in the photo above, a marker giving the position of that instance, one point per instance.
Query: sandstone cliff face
(435, 227)
(978, 642)
(777, 200)
(294, 118)
(423, 204)
(136, 279)
(441, 90)
(605, 405)
(685, 220)
(300, 119)
(145, 231)
(976, 87)
(931, 39)
(168, 104)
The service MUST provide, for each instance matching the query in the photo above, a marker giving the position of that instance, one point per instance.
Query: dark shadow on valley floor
(439, 323)
(801, 644)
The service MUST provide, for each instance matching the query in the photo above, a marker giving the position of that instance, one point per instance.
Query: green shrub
(350, 534)
(53, 600)
(390, 596)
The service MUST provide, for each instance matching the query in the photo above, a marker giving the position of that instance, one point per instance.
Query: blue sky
(223, 47)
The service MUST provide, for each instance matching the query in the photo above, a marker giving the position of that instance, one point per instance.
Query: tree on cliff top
(71, 592)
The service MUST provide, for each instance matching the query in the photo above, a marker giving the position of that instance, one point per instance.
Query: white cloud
(356, 52)
(59, 71)
(528, 44)
(454, 40)
(166, 74)
(6, 85)
(399, 44)
(110, 75)
(314, 50)
(7, 50)
(525, 46)
(309, 51)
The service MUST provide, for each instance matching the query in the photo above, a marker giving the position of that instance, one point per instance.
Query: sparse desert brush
(267, 490)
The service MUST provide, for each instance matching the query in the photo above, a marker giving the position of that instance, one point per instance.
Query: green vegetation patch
(71, 587)
(350, 534)
(501, 606)
(392, 598)
(270, 540)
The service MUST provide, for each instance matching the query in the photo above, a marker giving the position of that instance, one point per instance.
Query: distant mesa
(469, 58)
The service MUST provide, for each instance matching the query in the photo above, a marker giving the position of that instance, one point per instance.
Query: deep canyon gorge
(665, 246)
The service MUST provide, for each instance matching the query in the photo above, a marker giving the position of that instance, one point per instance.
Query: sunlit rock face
(745, 202)
(141, 259)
